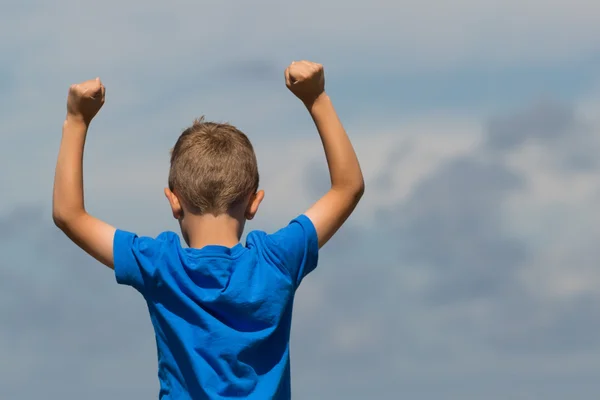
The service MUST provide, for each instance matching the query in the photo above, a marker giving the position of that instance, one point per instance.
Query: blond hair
(213, 168)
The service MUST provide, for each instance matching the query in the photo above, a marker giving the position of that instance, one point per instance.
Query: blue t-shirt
(221, 316)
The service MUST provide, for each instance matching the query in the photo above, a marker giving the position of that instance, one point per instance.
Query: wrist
(78, 121)
(317, 101)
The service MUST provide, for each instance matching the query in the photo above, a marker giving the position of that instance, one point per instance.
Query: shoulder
(143, 246)
(294, 247)
(168, 237)
(299, 227)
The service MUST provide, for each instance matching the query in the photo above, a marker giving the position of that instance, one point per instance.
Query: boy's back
(222, 316)
(221, 311)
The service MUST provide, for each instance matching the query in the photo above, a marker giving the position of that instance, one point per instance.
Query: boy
(221, 311)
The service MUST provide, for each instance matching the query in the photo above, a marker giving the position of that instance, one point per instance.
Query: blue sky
(469, 270)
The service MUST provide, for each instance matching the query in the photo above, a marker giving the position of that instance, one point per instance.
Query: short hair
(213, 168)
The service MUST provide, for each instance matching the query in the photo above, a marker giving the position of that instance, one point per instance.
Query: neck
(205, 230)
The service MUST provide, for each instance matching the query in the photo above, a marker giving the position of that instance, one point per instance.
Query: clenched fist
(85, 100)
(306, 80)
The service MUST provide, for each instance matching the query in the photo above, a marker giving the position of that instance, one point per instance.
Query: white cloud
(158, 38)
(557, 213)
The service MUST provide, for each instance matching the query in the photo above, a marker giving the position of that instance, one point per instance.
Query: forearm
(68, 199)
(341, 158)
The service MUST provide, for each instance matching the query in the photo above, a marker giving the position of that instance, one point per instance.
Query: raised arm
(68, 210)
(306, 80)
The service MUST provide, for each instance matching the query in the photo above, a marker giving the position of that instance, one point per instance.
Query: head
(213, 173)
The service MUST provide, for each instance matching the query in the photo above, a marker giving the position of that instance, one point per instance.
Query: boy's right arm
(306, 80)
(91, 234)
(131, 257)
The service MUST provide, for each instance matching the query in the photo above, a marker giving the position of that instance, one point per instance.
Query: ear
(175, 204)
(253, 204)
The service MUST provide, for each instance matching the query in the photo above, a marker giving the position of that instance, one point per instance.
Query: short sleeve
(296, 247)
(134, 260)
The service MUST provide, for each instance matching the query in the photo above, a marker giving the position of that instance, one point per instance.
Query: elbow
(59, 220)
(63, 219)
(352, 190)
(357, 186)
(359, 190)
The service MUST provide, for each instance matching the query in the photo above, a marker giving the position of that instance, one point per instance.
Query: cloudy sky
(469, 271)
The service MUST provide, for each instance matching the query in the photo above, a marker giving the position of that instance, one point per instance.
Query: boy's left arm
(68, 210)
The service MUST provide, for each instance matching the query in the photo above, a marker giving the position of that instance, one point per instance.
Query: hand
(85, 100)
(306, 80)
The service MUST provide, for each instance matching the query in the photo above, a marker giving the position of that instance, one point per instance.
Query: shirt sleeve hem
(124, 259)
(312, 246)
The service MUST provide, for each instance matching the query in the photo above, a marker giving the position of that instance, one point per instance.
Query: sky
(468, 271)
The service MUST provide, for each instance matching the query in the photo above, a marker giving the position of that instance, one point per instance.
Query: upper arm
(133, 258)
(94, 236)
(330, 212)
